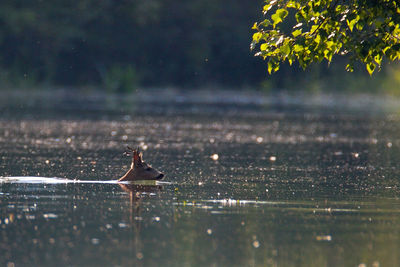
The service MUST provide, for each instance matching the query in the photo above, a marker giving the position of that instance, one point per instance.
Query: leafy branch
(366, 31)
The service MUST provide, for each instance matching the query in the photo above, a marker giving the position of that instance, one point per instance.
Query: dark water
(249, 182)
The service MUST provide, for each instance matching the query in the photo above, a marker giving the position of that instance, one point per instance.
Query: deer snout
(159, 177)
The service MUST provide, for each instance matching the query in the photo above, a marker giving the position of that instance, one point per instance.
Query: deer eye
(148, 169)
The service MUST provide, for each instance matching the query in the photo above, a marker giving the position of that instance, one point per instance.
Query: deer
(139, 170)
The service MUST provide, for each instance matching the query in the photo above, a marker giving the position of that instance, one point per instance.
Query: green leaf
(273, 65)
(360, 26)
(378, 59)
(270, 67)
(351, 23)
(296, 33)
(370, 67)
(263, 46)
(330, 45)
(328, 54)
(266, 23)
(299, 17)
(257, 36)
(298, 48)
(285, 49)
(293, 4)
(317, 39)
(314, 28)
(268, 6)
(279, 16)
(349, 67)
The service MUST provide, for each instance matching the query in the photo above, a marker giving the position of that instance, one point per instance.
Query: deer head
(140, 170)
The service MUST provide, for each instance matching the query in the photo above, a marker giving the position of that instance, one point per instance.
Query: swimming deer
(140, 170)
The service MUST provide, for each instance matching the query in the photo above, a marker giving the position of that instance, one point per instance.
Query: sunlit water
(249, 182)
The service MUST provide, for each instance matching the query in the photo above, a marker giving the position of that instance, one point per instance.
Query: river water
(250, 181)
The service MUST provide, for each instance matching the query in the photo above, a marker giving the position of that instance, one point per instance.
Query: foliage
(364, 30)
(121, 79)
(74, 43)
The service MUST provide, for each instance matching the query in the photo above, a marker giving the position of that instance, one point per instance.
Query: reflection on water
(256, 187)
(47, 180)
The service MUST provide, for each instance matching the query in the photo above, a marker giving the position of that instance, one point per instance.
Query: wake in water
(57, 180)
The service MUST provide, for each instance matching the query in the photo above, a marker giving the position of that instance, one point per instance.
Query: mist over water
(250, 181)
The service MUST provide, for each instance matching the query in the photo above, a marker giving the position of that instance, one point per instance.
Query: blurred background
(120, 46)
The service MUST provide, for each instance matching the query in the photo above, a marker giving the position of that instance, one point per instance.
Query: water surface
(250, 181)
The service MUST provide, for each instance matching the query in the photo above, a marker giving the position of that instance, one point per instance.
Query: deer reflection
(137, 193)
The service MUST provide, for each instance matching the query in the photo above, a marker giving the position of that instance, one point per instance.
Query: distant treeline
(152, 42)
(119, 45)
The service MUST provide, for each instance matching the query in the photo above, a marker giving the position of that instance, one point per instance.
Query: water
(249, 181)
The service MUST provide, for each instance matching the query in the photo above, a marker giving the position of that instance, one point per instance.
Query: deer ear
(137, 158)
